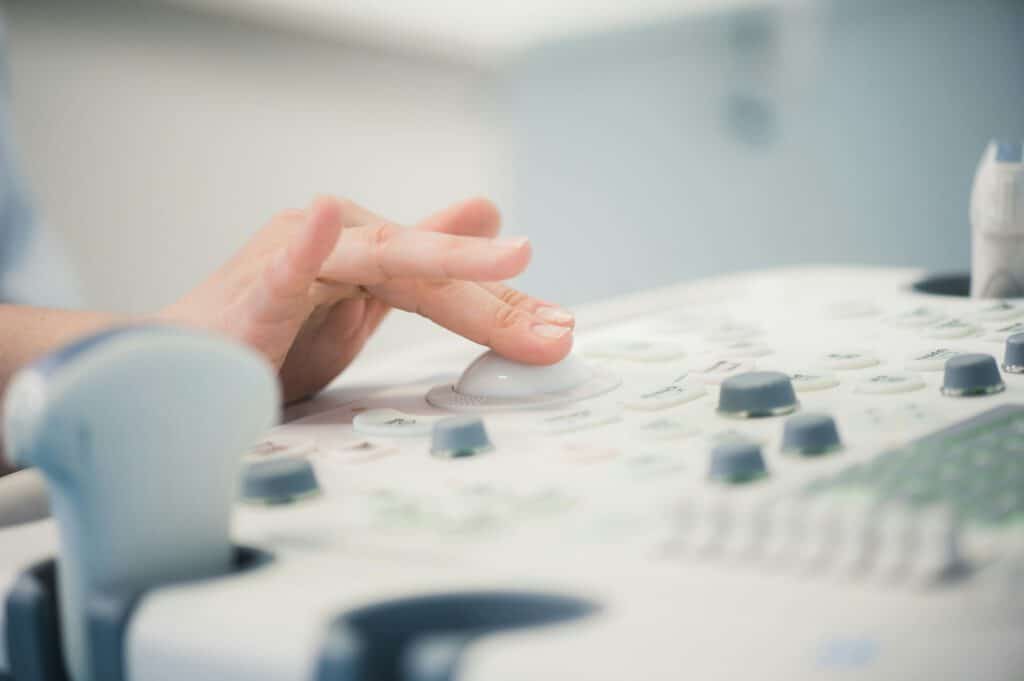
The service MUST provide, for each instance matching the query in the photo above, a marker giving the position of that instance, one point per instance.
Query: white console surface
(828, 566)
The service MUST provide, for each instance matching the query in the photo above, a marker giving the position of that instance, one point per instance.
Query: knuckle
(506, 317)
(382, 235)
(512, 297)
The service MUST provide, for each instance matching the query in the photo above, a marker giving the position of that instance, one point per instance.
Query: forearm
(27, 333)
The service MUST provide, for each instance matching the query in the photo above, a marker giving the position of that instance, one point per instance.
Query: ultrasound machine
(793, 474)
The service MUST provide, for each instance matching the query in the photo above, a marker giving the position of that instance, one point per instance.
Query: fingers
(548, 312)
(472, 217)
(373, 254)
(290, 274)
(509, 324)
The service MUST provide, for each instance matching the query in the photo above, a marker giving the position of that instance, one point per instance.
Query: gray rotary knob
(460, 436)
(1013, 359)
(971, 374)
(279, 481)
(757, 393)
(810, 435)
(737, 462)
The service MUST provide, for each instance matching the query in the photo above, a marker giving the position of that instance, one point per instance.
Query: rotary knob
(459, 436)
(737, 462)
(755, 394)
(972, 374)
(810, 435)
(1013, 359)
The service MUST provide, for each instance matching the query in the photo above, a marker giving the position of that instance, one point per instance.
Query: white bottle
(139, 434)
(997, 222)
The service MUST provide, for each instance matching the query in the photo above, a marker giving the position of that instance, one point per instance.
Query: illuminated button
(918, 316)
(718, 370)
(848, 359)
(635, 350)
(930, 360)
(810, 434)
(665, 396)
(972, 374)
(668, 427)
(806, 381)
(744, 348)
(755, 394)
(851, 309)
(951, 328)
(578, 419)
(1013, 358)
(737, 462)
(998, 311)
(460, 436)
(888, 384)
(391, 423)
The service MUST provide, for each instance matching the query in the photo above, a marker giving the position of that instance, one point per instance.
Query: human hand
(309, 289)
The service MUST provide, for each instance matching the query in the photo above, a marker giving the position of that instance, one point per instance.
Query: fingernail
(550, 330)
(555, 315)
(514, 243)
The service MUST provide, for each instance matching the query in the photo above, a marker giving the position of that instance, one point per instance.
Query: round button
(807, 381)
(459, 436)
(951, 328)
(972, 374)
(717, 370)
(918, 316)
(810, 434)
(848, 359)
(391, 423)
(998, 311)
(744, 348)
(666, 396)
(889, 384)
(757, 393)
(737, 462)
(278, 481)
(1013, 358)
(930, 360)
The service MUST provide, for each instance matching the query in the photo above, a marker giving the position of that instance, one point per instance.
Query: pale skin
(310, 287)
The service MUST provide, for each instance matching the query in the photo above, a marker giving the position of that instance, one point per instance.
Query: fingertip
(541, 344)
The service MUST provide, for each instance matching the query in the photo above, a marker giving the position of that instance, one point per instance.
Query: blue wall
(841, 131)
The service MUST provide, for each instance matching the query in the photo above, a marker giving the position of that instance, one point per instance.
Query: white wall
(156, 139)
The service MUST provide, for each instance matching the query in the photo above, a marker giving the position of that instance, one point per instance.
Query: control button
(718, 370)
(732, 331)
(889, 384)
(635, 350)
(810, 434)
(677, 392)
(579, 419)
(358, 451)
(279, 481)
(391, 423)
(669, 427)
(744, 348)
(459, 436)
(1002, 333)
(275, 448)
(972, 374)
(730, 435)
(848, 359)
(1013, 358)
(930, 360)
(998, 311)
(588, 452)
(918, 316)
(951, 328)
(495, 383)
(806, 381)
(737, 462)
(757, 393)
(851, 309)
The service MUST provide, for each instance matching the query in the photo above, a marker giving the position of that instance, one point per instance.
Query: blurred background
(637, 143)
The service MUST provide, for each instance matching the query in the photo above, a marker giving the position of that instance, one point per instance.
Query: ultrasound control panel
(805, 473)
